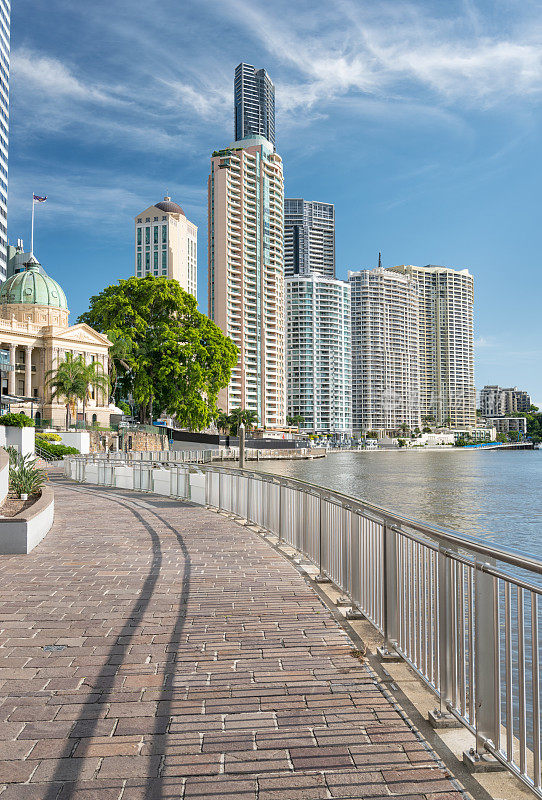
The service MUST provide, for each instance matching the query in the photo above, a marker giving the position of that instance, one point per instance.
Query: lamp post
(242, 446)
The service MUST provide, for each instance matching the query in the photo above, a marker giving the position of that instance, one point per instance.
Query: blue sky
(421, 121)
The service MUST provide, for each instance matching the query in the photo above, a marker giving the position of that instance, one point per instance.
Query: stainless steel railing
(463, 613)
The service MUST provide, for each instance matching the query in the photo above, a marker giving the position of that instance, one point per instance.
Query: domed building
(35, 336)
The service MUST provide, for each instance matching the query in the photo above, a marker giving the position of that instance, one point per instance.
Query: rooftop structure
(254, 99)
(497, 402)
(309, 238)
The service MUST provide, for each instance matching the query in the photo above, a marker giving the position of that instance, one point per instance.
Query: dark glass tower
(254, 95)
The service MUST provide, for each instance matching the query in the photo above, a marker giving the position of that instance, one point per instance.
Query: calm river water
(495, 494)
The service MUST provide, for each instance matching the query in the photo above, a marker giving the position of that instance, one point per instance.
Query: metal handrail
(448, 604)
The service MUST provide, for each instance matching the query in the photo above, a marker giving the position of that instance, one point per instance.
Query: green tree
(178, 359)
(295, 420)
(222, 421)
(242, 415)
(403, 427)
(67, 383)
(120, 359)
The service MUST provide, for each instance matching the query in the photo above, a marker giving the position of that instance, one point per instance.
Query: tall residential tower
(446, 299)
(246, 273)
(5, 11)
(309, 238)
(254, 96)
(385, 368)
(166, 244)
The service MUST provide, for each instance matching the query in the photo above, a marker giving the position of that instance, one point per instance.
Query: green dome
(33, 287)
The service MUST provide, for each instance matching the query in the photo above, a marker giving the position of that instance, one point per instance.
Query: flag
(38, 199)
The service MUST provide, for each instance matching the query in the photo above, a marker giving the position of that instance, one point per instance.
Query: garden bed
(13, 505)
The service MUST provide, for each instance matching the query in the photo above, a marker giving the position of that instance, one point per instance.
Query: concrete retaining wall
(20, 534)
(4, 474)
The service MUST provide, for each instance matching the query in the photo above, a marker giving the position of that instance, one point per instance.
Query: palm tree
(250, 418)
(222, 421)
(67, 381)
(95, 378)
(241, 415)
(120, 355)
(404, 427)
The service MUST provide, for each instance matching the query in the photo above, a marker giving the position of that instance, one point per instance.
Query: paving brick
(198, 664)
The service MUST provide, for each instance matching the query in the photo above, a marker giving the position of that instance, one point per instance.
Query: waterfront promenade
(153, 649)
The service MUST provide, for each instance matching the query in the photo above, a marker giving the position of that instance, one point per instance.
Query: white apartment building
(5, 17)
(385, 351)
(497, 402)
(446, 299)
(309, 237)
(246, 274)
(166, 244)
(318, 353)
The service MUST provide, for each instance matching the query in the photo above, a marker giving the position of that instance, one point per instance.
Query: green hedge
(16, 420)
(57, 450)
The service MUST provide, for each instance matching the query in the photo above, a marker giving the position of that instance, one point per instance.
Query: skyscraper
(446, 298)
(246, 273)
(254, 95)
(318, 357)
(5, 11)
(166, 244)
(385, 369)
(309, 238)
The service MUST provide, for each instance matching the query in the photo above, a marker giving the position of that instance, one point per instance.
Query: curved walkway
(151, 649)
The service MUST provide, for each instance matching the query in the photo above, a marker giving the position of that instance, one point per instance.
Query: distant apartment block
(254, 97)
(246, 273)
(309, 238)
(446, 363)
(497, 402)
(5, 24)
(508, 424)
(166, 244)
(385, 313)
(318, 353)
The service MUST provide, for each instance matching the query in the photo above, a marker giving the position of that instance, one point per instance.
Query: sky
(420, 121)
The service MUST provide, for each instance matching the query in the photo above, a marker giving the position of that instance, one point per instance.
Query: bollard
(241, 446)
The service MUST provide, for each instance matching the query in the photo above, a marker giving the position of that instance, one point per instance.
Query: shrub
(16, 420)
(49, 437)
(24, 475)
(56, 450)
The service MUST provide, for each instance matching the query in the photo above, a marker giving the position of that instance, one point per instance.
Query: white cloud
(38, 74)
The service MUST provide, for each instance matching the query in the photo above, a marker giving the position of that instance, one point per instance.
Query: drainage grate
(53, 648)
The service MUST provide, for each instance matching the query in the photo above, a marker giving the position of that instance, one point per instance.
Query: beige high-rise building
(385, 351)
(246, 273)
(166, 244)
(446, 298)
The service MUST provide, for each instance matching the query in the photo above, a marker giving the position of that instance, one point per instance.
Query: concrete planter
(20, 534)
(23, 439)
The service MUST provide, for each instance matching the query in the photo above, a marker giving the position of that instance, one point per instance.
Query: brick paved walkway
(197, 663)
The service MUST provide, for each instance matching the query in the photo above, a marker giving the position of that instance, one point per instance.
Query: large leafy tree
(176, 359)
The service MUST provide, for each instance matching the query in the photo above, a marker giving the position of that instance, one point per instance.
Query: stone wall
(140, 441)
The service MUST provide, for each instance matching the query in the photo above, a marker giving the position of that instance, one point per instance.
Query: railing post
(321, 577)
(280, 513)
(220, 491)
(249, 492)
(390, 616)
(486, 662)
(445, 626)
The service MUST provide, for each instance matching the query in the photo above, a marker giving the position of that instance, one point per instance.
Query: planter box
(23, 439)
(20, 534)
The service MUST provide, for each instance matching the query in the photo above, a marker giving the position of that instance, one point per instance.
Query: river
(494, 494)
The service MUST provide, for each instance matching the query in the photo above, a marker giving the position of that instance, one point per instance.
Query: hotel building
(246, 273)
(5, 12)
(309, 237)
(385, 369)
(254, 99)
(318, 353)
(166, 244)
(446, 299)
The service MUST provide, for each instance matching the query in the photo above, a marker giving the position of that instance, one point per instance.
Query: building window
(139, 235)
(147, 235)
(147, 261)
(155, 219)
(156, 234)
(155, 261)
(21, 387)
(139, 221)
(164, 259)
(139, 260)
(164, 234)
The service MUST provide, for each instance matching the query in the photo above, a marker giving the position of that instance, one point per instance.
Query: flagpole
(32, 229)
